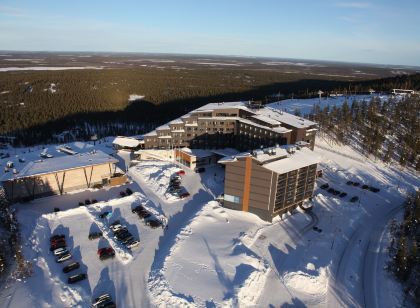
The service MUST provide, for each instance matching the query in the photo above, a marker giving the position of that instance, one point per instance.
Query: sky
(375, 31)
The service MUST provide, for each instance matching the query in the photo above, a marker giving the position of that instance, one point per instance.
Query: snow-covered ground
(209, 256)
(49, 68)
(305, 106)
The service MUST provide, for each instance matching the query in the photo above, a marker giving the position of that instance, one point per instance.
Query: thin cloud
(11, 11)
(354, 5)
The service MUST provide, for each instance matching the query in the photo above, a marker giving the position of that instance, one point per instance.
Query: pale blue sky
(375, 31)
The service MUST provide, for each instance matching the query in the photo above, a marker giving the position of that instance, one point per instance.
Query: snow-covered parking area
(210, 256)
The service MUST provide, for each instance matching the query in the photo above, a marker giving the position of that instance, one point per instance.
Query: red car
(180, 172)
(106, 250)
(57, 241)
(184, 195)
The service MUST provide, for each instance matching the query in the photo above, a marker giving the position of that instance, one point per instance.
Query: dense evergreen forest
(388, 130)
(37, 104)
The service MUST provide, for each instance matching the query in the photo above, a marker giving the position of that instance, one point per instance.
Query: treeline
(403, 250)
(32, 112)
(388, 130)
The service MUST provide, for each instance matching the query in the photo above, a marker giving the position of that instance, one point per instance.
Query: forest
(37, 105)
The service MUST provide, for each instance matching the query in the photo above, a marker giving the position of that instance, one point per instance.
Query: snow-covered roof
(215, 106)
(197, 152)
(127, 142)
(176, 121)
(301, 158)
(163, 127)
(225, 152)
(266, 119)
(286, 118)
(62, 163)
(150, 134)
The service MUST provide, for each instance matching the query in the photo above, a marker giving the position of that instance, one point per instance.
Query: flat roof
(286, 118)
(196, 152)
(128, 142)
(266, 119)
(56, 164)
(301, 158)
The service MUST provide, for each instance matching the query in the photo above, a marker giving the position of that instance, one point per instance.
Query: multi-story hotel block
(271, 181)
(238, 125)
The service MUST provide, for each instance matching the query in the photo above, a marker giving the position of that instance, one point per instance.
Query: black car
(374, 189)
(325, 186)
(123, 194)
(356, 184)
(137, 209)
(153, 223)
(107, 255)
(94, 201)
(199, 169)
(71, 267)
(354, 199)
(365, 186)
(76, 278)
(343, 194)
(350, 182)
(95, 235)
(104, 214)
(87, 202)
(144, 214)
(331, 190)
(336, 192)
(128, 191)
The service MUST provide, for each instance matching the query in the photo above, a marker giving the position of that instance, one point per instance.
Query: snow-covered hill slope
(212, 256)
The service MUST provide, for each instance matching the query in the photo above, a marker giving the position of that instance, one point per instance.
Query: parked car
(87, 202)
(374, 189)
(22, 160)
(94, 201)
(123, 194)
(81, 203)
(184, 195)
(343, 194)
(144, 214)
(350, 182)
(354, 199)
(63, 257)
(133, 244)
(101, 299)
(76, 278)
(95, 235)
(365, 186)
(325, 186)
(57, 245)
(336, 192)
(105, 253)
(331, 190)
(128, 191)
(60, 251)
(138, 208)
(356, 184)
(199, 169)
(153, 223)
(115, 227)
(71, 267)
(57, 237)
(180, 172)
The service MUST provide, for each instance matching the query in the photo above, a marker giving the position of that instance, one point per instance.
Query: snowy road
(357, 264)
(371, 264)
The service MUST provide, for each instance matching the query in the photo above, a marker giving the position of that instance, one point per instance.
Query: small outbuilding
(127, 143)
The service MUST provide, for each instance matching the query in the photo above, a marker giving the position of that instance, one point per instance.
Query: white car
(101, 299)
(133, 244)
(60, 251)
(63, 258)
(116, 227)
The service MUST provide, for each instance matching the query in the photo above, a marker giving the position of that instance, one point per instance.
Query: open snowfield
(209, 256)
